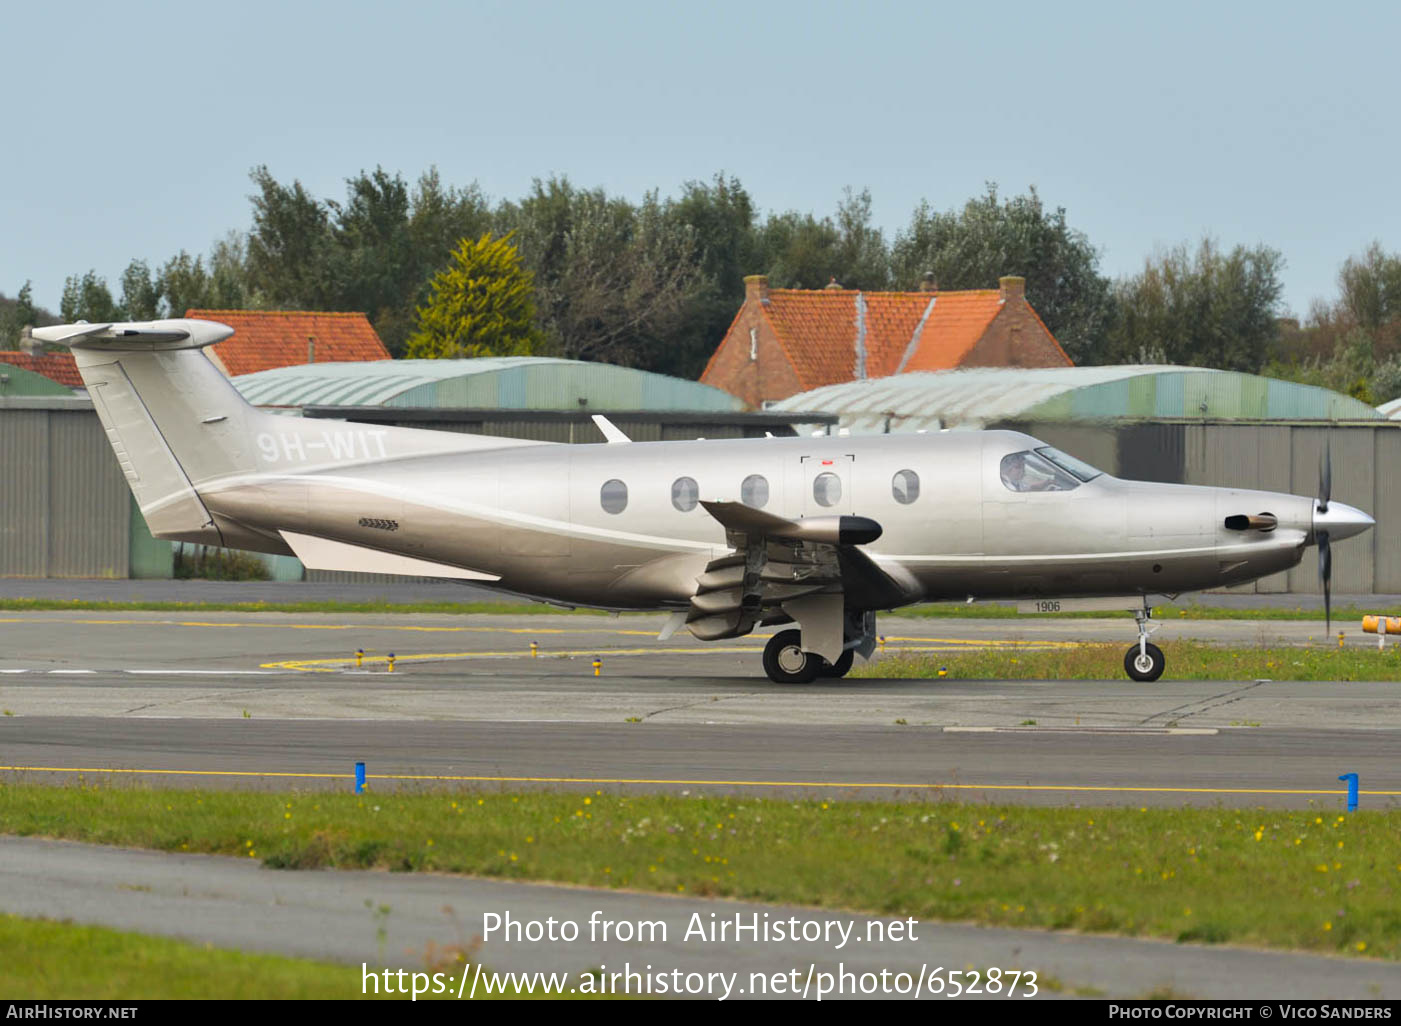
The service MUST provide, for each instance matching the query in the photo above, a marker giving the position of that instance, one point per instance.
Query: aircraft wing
(809, 570)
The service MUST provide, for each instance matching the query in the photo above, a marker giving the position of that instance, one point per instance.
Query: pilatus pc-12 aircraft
(728, 535)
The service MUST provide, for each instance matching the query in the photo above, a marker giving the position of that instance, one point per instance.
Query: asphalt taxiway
(278, 700)
(414, 920)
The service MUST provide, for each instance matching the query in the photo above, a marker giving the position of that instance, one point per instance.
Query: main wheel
(1147, 666)
(785, 661)
(841, 667)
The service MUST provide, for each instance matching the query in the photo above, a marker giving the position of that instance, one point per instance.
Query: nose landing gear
(1144, 661)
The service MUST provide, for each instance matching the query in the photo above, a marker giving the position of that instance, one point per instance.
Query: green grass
(1190, 611)
(1308, 880)
(44, 960)
(1186, 660)
(927, 610)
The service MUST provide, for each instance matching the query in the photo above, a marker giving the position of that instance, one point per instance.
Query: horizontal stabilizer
(175, 333)
(324, 554)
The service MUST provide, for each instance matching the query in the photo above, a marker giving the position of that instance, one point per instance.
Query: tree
(289, 246)
(184, 285)
(140, 295)
(721, 216)
(1204, 308)
(481, 305)
(614, 282)
(17, 314)
(973, 247)
(801, 251)
(87, 298)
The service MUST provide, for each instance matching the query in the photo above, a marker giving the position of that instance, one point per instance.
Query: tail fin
(174, 420)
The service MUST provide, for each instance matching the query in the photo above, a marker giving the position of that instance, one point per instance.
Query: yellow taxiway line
(446, 778)
(332, 664)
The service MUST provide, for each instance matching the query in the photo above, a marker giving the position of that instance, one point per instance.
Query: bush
(215, 564)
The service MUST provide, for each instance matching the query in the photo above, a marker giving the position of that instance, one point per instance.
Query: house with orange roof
(785, 341)
(264, 339)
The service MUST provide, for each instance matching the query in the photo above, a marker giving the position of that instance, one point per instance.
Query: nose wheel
(1144, 661)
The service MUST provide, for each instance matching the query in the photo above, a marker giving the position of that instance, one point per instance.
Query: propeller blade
(1325, 573)
(1325, 478)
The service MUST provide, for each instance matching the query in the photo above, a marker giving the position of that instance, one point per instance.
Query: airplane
(814, 535)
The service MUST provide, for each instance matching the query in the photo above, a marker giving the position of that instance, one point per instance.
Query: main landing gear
(1144, 661)
(786, 663)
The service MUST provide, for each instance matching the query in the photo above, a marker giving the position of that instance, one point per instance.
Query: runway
(276, 701)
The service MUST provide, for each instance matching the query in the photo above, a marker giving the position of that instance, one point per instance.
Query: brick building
(785, 341)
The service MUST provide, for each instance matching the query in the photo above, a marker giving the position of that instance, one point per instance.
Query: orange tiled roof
(60, 367)
(264, 339)
(955, 324)
(821, 330)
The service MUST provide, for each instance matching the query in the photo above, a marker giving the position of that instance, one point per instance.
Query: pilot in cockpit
(1028, 472)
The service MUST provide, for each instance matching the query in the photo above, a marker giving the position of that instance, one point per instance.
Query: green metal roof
(972, 398)
(26, 382)
(511, 383)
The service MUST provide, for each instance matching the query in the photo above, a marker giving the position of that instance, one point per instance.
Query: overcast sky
(130, 128)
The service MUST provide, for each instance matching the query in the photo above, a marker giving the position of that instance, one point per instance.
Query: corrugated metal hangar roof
(976, 397)
(503, 383)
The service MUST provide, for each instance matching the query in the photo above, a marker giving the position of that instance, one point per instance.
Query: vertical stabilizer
(174, 421)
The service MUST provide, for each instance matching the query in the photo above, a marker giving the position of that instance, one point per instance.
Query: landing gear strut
(1144, 661)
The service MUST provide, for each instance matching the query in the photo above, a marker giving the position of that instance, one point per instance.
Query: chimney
(927, 283)
(27, 344)
(1013, 288)
(756, 288)
(311, 349)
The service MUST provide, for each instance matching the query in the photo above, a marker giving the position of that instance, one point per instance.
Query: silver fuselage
(532, 515)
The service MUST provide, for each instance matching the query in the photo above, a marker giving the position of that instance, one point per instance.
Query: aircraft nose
(1341, 521)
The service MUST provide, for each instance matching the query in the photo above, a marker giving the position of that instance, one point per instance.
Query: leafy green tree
(481, 305)
(19, 313)
(184, 284)
(1370, 287)
(87, 298)
(802, 251)
(722, 217)
(140, 294)
(614, 282)
(1206, 308)
(289, 247)
(973, 247)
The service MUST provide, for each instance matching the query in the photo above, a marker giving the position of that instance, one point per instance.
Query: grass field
(928, 610)
(1186, 660)
(44, 960)
(1309, 880)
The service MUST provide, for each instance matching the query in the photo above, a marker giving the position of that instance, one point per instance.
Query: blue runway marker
(359, 778)
(1351, 780)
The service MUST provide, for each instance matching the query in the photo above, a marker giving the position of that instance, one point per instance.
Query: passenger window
(685, 493)
(613, 496)
(827, 489)
(905, 486)
(754, 491)
(1028, 472)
